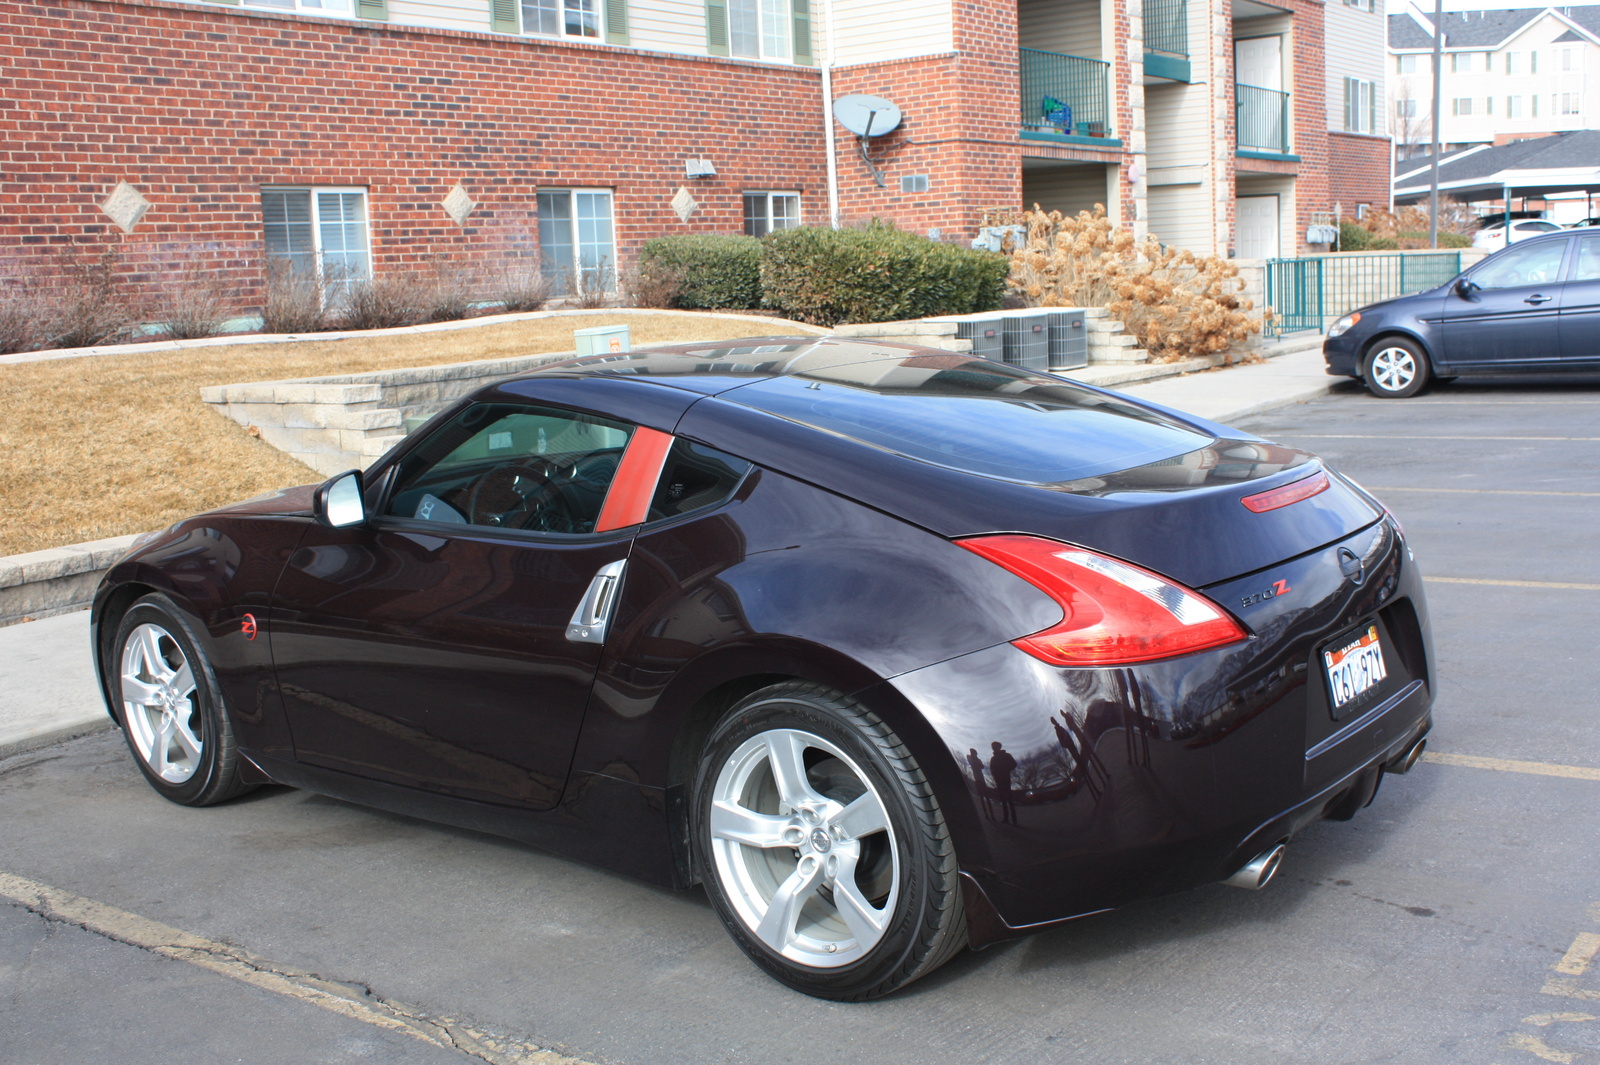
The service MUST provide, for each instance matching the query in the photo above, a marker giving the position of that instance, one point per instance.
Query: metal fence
(1263, 115)
(1064, 94)
(1166, 26)
(1313, 292)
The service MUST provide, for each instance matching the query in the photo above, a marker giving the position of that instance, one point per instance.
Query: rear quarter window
(695, 477)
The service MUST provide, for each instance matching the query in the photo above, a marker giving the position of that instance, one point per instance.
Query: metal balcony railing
(1166, 27)
(1064, 94)
(1263, 119)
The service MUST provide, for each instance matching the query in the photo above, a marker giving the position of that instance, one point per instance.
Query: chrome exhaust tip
(1404, 763)
(1258, 871)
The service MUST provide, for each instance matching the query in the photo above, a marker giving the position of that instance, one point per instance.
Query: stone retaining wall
(1109, 341)
(42, 583)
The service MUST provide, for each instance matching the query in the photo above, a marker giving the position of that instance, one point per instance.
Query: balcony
(1263, 119)
(1166, 39)
(1065, 98)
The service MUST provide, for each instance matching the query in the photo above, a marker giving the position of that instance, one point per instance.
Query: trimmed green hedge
(715, 270)
(876, 273)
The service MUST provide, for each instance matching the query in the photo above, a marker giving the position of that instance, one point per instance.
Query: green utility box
(602, 340)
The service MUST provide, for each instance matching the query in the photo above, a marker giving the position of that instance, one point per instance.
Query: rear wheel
(822, 847)
(1395, 369)
(169, 709)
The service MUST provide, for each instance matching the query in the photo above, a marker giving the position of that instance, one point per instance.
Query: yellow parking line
(1578, 956)
(1514, 584)
(1507, 765)
(56, 905)
(1481, 491)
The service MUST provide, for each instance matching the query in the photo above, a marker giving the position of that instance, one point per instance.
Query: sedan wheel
(822, 847)
(1395, 369)
(167, 704)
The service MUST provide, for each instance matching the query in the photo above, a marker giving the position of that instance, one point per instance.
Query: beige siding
(1355, 49)
(1068, 189)
(668, 25)
(470, 15)
(1177, 127)
(1067, 27)
(1180, 216)
(868, 31)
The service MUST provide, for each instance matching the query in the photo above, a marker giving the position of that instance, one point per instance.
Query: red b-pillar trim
(629, 499)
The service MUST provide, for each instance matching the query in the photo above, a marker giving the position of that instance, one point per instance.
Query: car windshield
(976, 416)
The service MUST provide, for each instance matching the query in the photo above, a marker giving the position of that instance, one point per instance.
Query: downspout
(827, 115)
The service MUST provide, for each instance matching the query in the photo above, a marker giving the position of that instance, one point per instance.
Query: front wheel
(169, 708)
(822, 847)
(1395, 369)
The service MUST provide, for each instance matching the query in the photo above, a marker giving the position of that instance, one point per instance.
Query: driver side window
(1529, 264)
(512, 466)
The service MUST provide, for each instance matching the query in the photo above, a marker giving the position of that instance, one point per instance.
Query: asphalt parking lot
(1456, 920)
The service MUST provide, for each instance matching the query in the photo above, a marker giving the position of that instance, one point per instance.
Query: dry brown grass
(115, 444)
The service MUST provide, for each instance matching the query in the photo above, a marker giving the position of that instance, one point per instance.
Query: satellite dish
(866, 116)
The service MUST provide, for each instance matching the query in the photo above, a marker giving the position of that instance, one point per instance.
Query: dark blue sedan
(1533, 307)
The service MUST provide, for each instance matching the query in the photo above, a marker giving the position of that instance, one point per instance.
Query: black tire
(864, 851)
(1395, 368)
(180, 735)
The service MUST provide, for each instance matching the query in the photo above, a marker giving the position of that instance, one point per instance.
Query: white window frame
(1359, 99)
(594, 261)
(1571, 103)
(1513, 107)
(322, 8)
(773, 29)
(769, 218)
(1461, 62)
(1408, 64)
(1406, 108)
(561, 11)
(1461, 107)
(333, 282)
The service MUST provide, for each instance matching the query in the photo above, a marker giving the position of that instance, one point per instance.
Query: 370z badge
(1278, 588)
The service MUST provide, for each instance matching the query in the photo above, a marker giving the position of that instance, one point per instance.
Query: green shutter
(616, 21)
(717, 27)
(802, 32)
(377, 10)
(503, 16)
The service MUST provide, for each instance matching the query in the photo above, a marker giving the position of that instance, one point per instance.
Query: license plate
(1354, 667)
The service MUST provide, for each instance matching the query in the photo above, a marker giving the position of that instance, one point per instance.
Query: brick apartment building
(367, 134)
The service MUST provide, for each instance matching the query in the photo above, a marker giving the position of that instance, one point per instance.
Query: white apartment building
(1507, 75)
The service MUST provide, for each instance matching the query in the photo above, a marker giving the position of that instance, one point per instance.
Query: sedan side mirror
(1464, 287)
(338, 503)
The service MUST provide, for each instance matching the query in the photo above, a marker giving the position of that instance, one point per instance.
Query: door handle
(1536, 299)
(589, 621)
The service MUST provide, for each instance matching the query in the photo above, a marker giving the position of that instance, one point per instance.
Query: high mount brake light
(1293, 492)
(1113, 613)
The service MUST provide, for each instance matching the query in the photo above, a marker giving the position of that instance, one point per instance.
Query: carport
(1524, 170)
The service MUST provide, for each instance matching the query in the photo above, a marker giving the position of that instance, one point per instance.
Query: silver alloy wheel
(159, 703)
(803, 848)
(1394, 368)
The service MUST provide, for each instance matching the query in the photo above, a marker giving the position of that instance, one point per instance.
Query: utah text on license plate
(1355, 666)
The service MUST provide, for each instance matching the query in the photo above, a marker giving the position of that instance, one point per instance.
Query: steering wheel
(508, 495)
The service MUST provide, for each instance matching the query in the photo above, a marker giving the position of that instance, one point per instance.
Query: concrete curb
(47, 736)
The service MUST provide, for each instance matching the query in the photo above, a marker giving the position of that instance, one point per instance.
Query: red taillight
(1113, 613)
(1293, 492)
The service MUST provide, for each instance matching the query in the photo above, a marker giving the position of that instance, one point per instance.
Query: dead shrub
(1176, 303)
(22, 315)
(294, 299)
(385, 302)
(589, 289)
(447, 289)
(196, 303)
(652, 283)
(85, 303)
(520, 285)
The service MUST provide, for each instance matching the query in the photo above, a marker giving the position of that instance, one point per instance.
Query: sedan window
(512, 467)
(1588, 265)
(1525, 264)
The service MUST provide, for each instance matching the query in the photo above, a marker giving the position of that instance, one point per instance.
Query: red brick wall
(1310, 105)
(200, 106)
(1359, 171)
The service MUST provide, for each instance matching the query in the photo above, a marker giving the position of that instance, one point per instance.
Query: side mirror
(338, 503)
(1464, 287)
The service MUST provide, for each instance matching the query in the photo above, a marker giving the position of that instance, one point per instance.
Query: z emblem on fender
(247, 625)
(1278, 588)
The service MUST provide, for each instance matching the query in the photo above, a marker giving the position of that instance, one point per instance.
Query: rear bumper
(1146, 780)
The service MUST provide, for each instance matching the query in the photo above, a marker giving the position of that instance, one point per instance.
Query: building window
(767, 211)
(333, 8)
(561, 18)
(1405, 108)
(1461, 105)
(1513, 107)
(319, 232)
(1571, 103)
(1533, 62)
(1461, 62)
(1533, 106)
(577, 249)
(1569, 59)
(759, 29)
(1407, 64)
(1359, 96)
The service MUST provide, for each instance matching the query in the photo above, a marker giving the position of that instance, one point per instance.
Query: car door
(1508, 312)
(450, 642)
(1580, 305)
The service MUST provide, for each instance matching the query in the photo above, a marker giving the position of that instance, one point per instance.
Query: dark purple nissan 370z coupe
(895, 651)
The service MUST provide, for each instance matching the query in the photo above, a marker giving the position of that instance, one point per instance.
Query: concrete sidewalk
(47, 686)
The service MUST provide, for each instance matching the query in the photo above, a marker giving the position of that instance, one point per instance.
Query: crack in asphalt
(350, 998)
